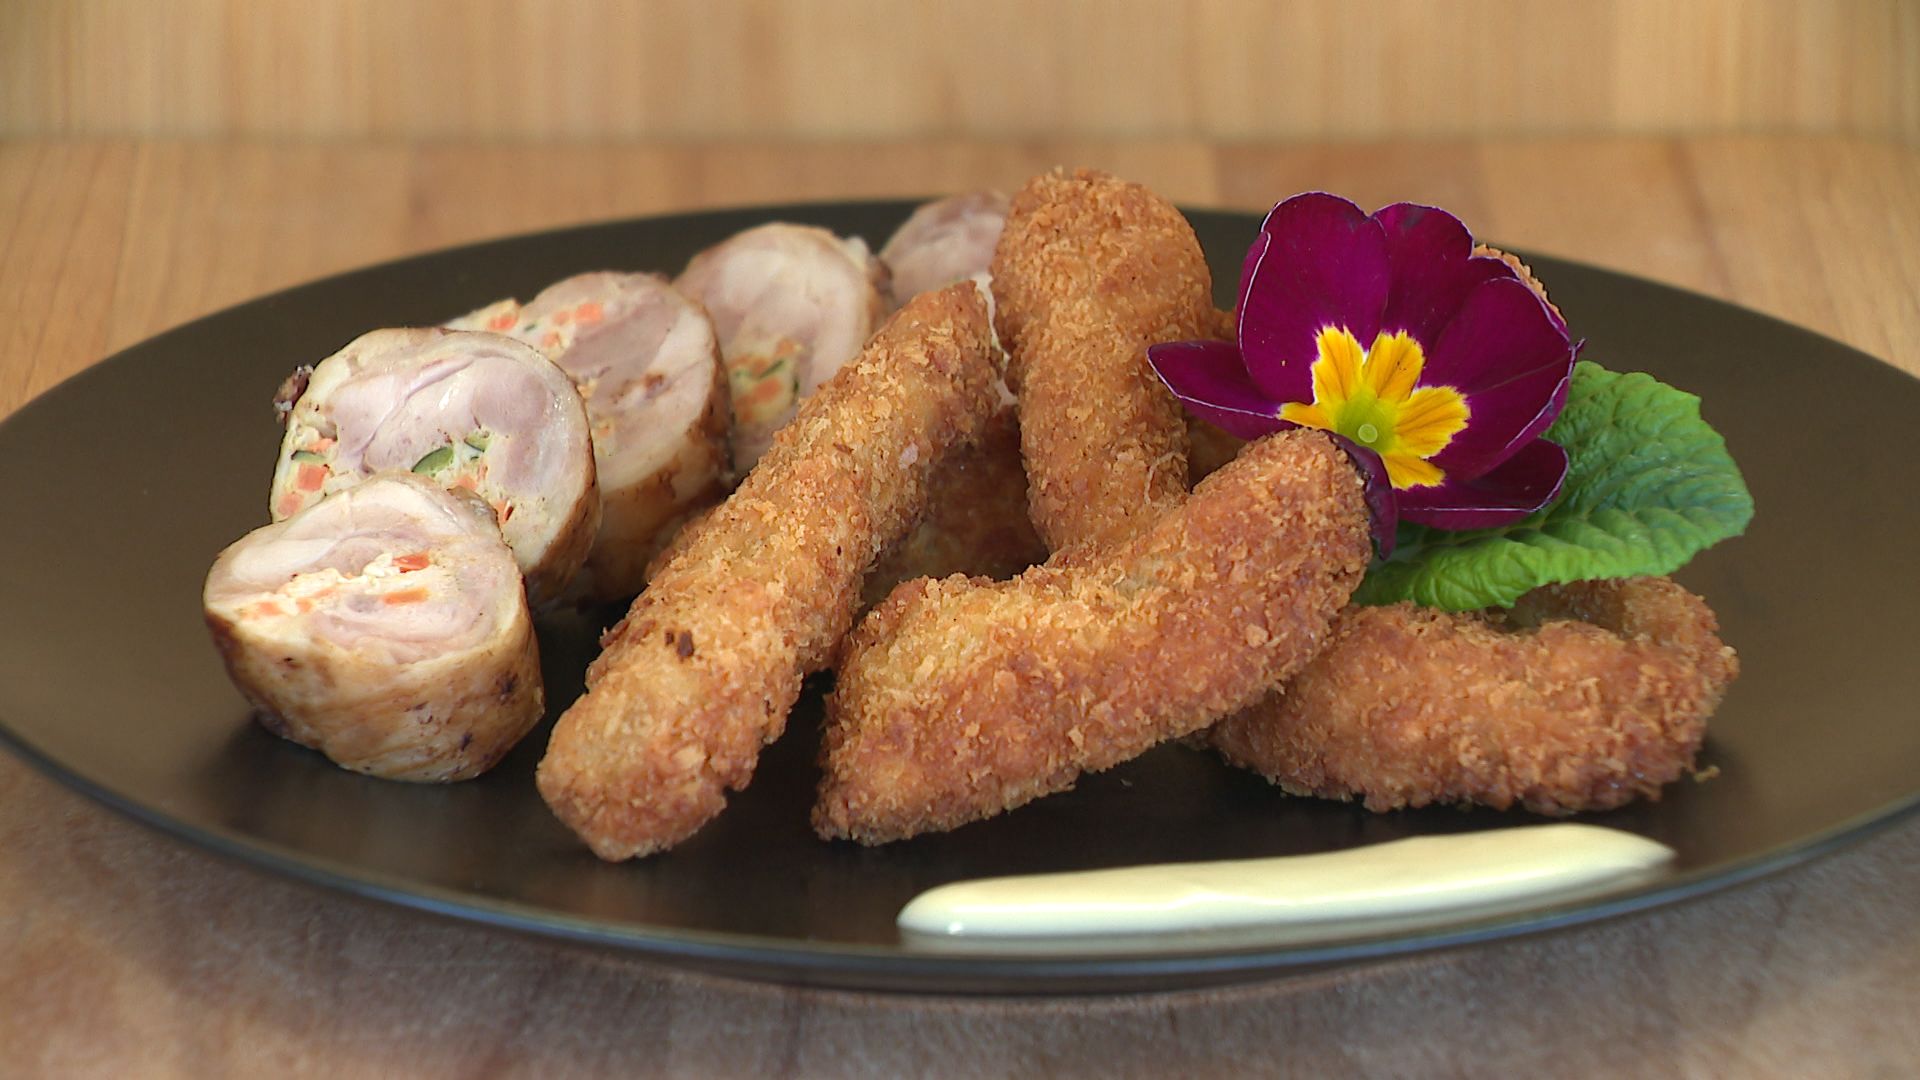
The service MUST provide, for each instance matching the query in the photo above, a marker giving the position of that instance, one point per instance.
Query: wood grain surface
(125, 953)
(595, 69)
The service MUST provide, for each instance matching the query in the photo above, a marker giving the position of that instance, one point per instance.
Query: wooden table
(124, 952)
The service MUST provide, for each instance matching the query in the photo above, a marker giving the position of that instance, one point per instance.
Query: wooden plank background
(845, 69)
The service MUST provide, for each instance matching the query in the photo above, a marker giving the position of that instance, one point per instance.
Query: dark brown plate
(121, 484)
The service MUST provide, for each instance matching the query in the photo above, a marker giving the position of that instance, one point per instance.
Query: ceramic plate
(121, 484)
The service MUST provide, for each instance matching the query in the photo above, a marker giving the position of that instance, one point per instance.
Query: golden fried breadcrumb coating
(1584, 697)
(959, 699)
(702, 671)
(976, 522)
(1520, 268)
(1089, 271)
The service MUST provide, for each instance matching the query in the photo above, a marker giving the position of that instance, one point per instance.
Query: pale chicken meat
(647, 364)
(792, 304)
(944, 241)
(477, 412)
(384, 626)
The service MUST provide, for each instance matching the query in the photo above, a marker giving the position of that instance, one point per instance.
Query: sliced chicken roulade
(944, 241)
(647, 364)
(471, 411)
(792, 303)
(384, 626)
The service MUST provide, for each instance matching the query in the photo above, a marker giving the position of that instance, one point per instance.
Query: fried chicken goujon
(1584, 697)
(703, 670)
(961, 698)
(1090, 271)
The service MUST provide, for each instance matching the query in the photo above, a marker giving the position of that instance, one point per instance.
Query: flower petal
(1504, 353)
(1430, 418)
(1525, 482)
(1430, 254)
(1410, 470)
(1551, 411)
(1393, 366)
(1382, 508)
(1210, 380)
(1319, 261)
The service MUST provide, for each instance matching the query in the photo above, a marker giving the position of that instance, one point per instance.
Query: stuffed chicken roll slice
(945, 241)
(471, 411)
(647, 364)
(385, 627)
(792, 304)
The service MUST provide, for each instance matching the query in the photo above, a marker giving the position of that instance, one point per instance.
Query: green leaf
(1649, 485)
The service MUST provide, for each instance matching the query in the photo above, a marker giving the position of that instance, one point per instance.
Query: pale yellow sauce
(1425, 877)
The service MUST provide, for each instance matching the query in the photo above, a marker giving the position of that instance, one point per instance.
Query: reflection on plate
(107, 679)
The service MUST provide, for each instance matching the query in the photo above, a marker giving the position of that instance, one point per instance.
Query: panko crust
(1584, 697)
(976, 522)
(962, 698)
(703, 670)
(1089, 271)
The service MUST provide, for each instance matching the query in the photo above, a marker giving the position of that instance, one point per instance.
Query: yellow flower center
(1371, 397)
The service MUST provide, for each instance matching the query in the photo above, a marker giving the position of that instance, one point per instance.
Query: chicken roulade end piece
(471, 411)
(959, 699)
(1090, 271)
(944, 241)
(1583, 697)
(702, 671)
(647, 363)
(385, 627)
(791, 303)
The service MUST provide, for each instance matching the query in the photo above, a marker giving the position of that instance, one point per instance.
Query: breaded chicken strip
(959, 699)
(976, 522)
(1584, 697)
(1091, 270)
(702, 671)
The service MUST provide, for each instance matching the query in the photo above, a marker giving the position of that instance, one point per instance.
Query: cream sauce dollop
(1419, 877)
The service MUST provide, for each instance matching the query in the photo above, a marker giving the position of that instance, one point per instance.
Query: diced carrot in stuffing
(405, 596)
(502, 321)
(311, 477)
(589, 313)
(418, 560)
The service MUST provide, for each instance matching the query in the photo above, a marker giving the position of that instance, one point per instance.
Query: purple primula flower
(1438, 368)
